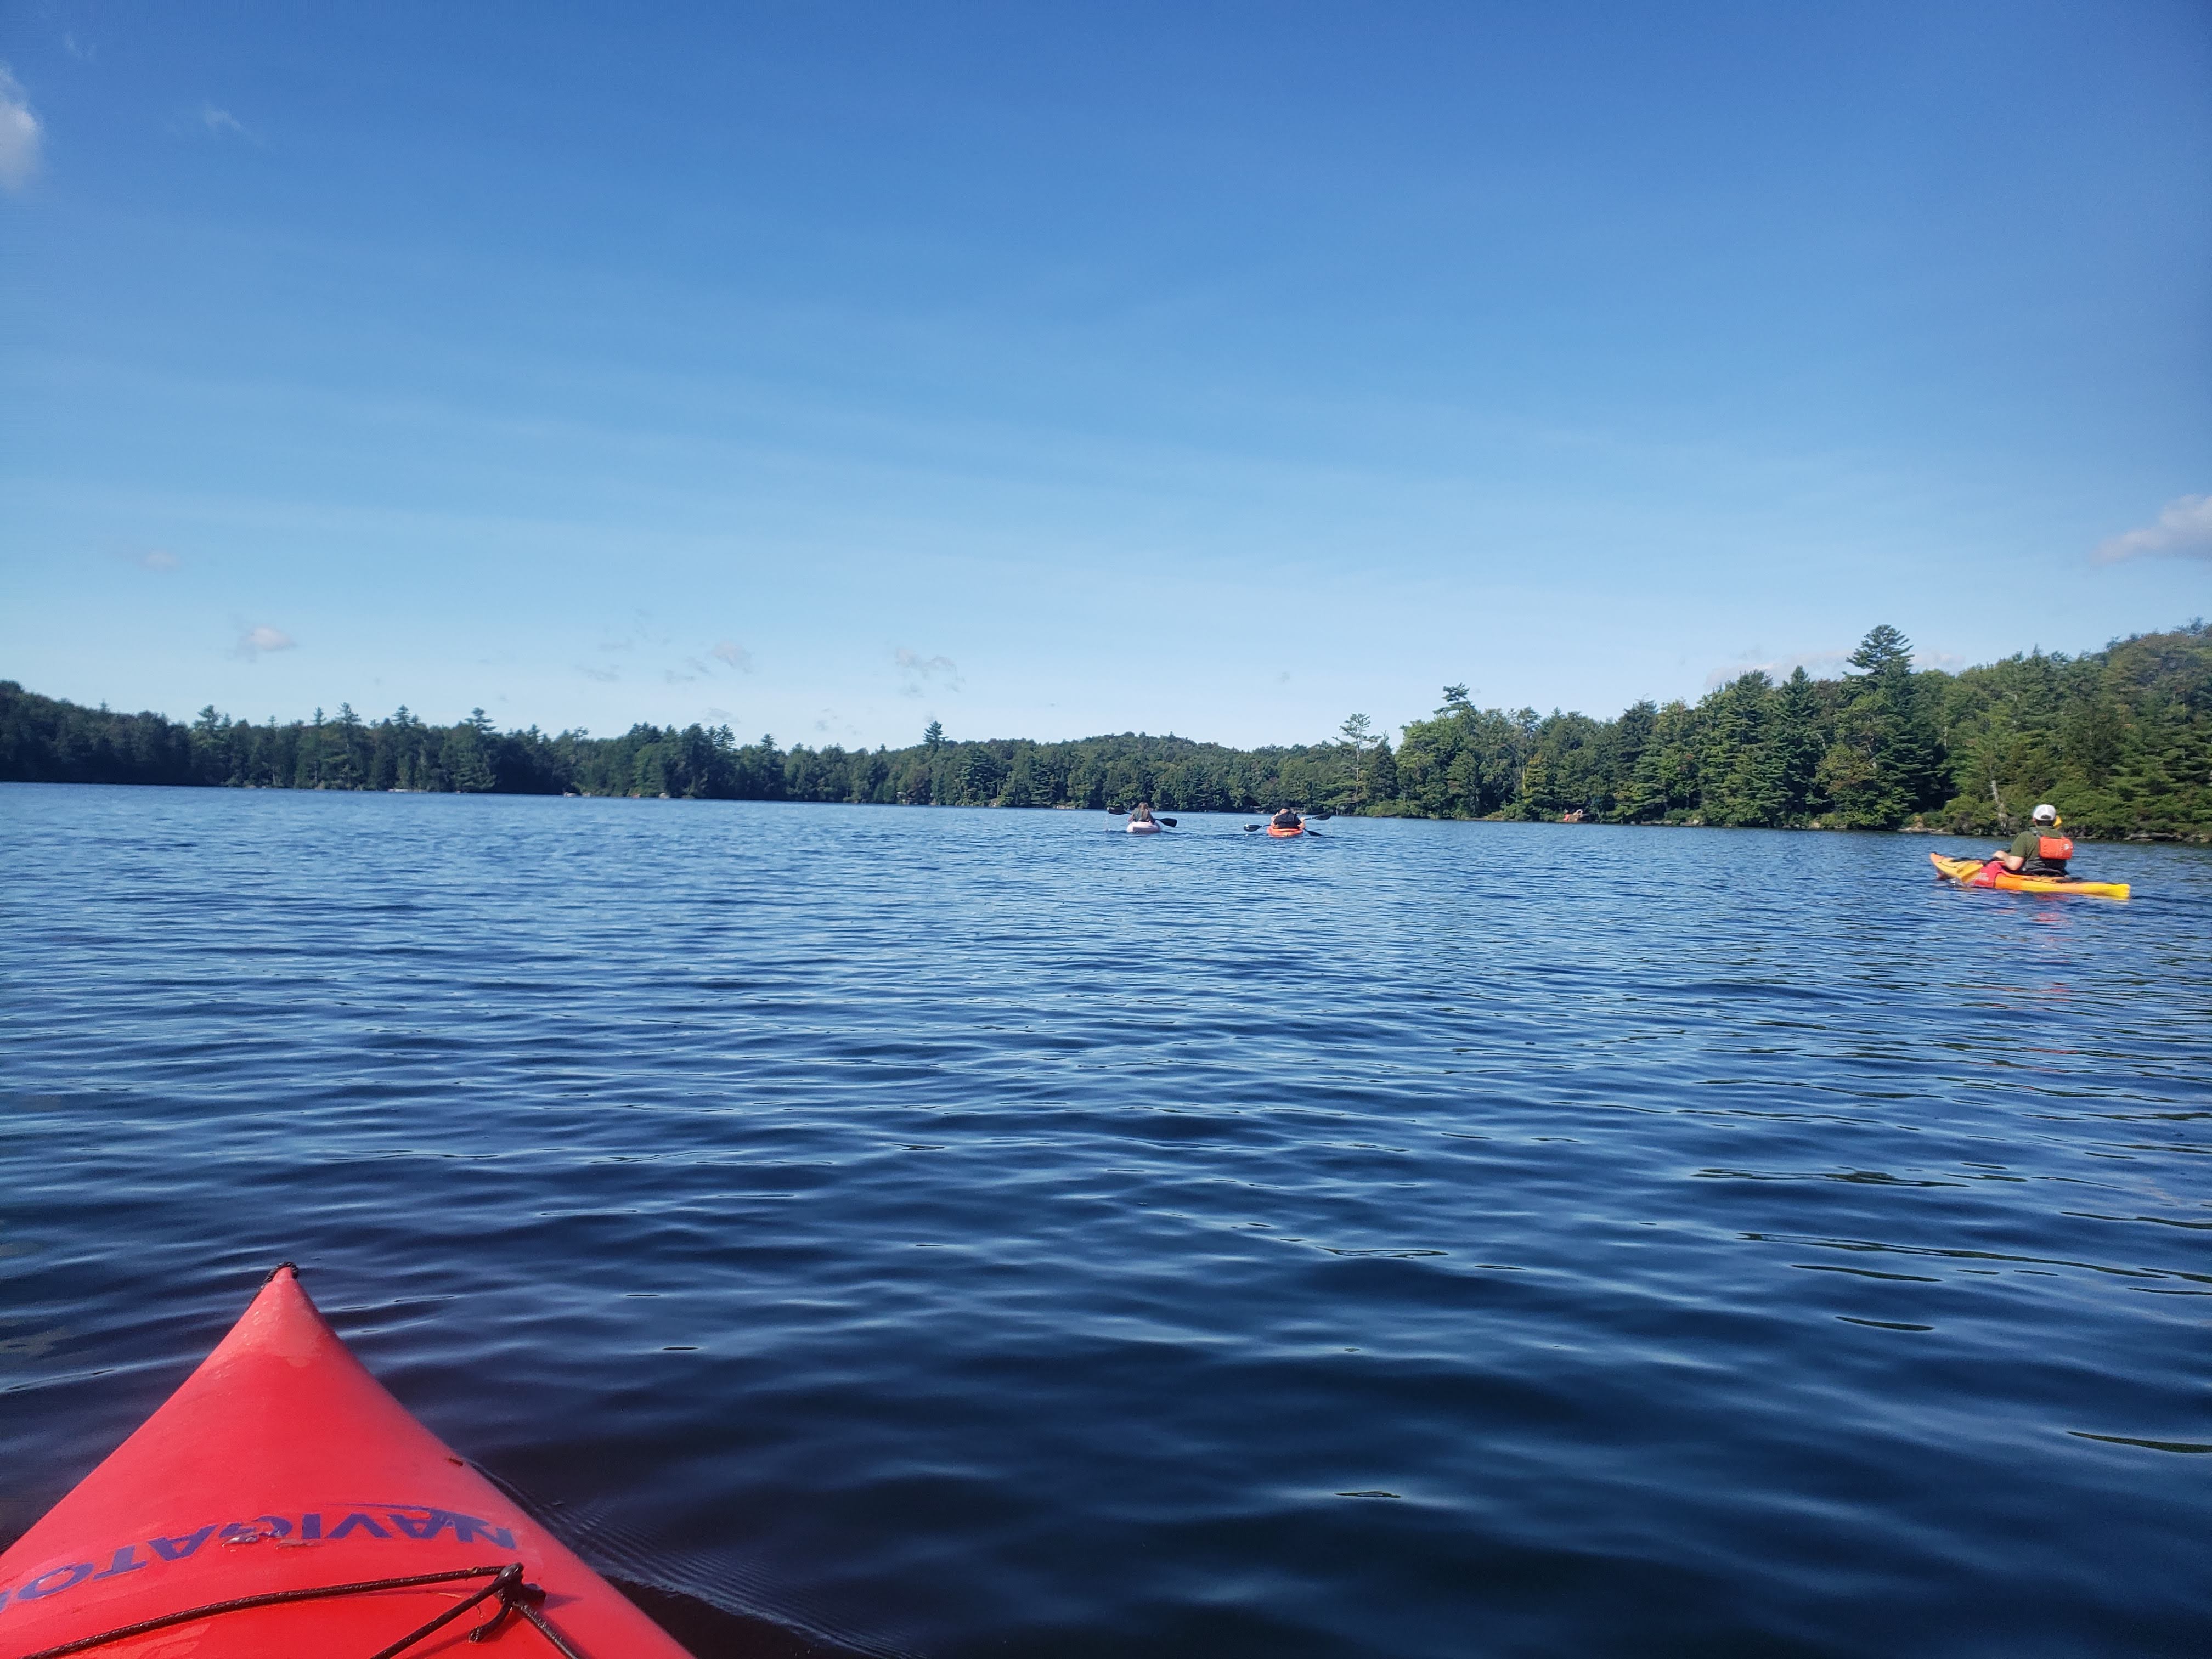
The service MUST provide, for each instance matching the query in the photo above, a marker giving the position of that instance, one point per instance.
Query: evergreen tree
(2121, 738)
(980, 776)
(1382, 772)
(466, 763)
(1795, 745)
(1879, 767)
(1358, 736)
(1742, 788)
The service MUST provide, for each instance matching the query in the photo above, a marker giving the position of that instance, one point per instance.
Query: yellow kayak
(1967, 872)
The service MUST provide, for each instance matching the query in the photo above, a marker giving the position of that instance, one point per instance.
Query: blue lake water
(942, 1232)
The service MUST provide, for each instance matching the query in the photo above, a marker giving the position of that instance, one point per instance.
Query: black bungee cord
(515, 1598)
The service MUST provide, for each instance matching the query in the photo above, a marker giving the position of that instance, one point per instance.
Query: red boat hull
(283, 1466)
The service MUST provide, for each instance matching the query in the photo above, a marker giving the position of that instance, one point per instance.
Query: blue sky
(1051, 370)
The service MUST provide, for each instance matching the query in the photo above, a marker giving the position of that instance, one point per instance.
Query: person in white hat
(2041, 849)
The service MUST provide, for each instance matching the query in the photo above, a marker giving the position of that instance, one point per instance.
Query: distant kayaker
(1143, 814)
(1286, 819)
(2041, 850)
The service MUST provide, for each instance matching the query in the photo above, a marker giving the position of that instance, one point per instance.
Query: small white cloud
(78, 49)
(259, 641)
(605, 676)
(20, 134)
(676, 678)
(1821, 664)
(722, 715)
(916, 671)
(220, 121)
(2183, 531)
(736, 655)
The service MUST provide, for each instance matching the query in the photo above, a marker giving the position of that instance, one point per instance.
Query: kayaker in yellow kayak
(2034, 863)
(2040, 850)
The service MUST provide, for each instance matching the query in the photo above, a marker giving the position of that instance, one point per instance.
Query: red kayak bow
(281, 1505)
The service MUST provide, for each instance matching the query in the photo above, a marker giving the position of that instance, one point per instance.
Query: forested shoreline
(2121, 738)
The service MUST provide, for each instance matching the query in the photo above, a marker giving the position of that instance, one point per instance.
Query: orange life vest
(2055, 850)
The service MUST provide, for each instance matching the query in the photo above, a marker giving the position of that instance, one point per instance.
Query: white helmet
(2046, 813)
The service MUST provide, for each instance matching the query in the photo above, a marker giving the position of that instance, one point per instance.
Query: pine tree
(1741, 786)
(1796, 746)
(1880, 766)
(1382, 772)
(980, 777)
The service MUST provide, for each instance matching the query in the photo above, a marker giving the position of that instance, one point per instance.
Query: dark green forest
(2120, 738)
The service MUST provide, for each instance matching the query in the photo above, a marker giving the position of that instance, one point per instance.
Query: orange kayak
(1284, 834)
(1972, 872)
(281, 1505)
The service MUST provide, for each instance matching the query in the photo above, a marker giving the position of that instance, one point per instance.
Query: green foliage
(2120, 738)
(1881, 765)
(1362, 744)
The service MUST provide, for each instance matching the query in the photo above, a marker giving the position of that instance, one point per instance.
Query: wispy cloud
(2183, 531)
(221, 121)
(21, 135)
(604, 676)
(259, 640)
(722, 715)
(148, 558)
(916, 672)
(695, 668)
(640, 632)
(1821, 663)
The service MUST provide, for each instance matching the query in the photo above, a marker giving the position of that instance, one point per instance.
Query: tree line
(2121, 738)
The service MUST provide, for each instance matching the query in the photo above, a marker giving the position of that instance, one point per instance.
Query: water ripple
(935, 1232)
